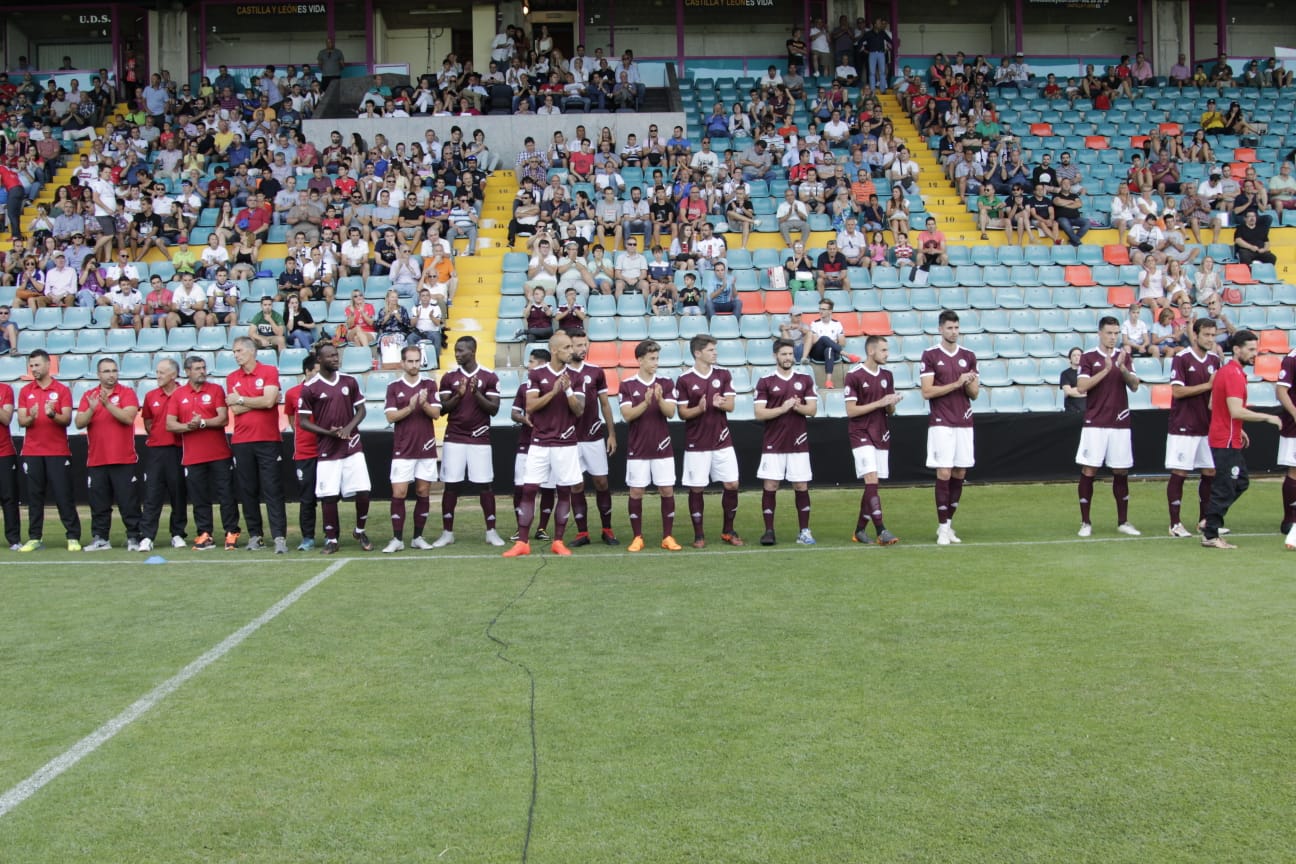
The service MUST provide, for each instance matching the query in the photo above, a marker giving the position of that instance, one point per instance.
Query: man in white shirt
(355, 255)
(104, 195)
(705, 159)
(770, 79)
(126, 301)
(1146, 239)
(904, 171)
(1282, 189)
(631, 270)
(711, 246)
(188, 304)
(123, 267)
(792, 215)
(852, 243)
(60, 282)
(542, 269)
(836, 130)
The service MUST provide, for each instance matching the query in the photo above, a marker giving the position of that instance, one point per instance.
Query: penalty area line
(50, 771)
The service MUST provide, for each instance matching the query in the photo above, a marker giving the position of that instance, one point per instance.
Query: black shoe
(330, 547)
(1286, 527)
(542, 534)
(767, 539)
(609, 539)
(581, 539)
(363, 539)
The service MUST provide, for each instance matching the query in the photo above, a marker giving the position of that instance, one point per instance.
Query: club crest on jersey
(206, 398)
(796, 386)
(714, 383)
(346, 391)
(260, 382)
(962, 363)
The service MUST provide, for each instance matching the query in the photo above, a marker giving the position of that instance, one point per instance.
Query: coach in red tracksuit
(107, 413)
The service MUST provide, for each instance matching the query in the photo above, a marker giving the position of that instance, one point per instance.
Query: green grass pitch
(1024, 697)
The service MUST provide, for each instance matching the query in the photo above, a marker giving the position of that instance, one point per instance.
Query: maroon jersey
(537, 317)
(469, 424)
(785, 433)
(6, 440)
(590, 380)
(1287, 378)
(649, 435)
(414, 437)
(864, 388)
(710, 429)
(154, 412)
(567, 319)
(1191, 416)
(554, 425)
(1107, 405)
(45, 437)
(108, 440)
(200, 445)
(330, 404)
(524, 431)
(954, 409)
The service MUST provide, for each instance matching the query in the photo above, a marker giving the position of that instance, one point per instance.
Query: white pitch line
(87, 745)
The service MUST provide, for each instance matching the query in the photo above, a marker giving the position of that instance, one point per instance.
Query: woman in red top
(360, 321)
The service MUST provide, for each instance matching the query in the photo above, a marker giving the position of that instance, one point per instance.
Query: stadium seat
(356, 359)
(59, 341)
(632, 328)
(1010, 345)
(1239, 274)
(1120, 296)
(1274, 342)
(1006, 400)
(1041, 399)
(1267, 366)
(994, 373)
(1039, 345)
(91, 342)
(875, 324)
(601, 329)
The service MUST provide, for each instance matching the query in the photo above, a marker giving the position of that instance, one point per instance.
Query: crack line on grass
(502, 654)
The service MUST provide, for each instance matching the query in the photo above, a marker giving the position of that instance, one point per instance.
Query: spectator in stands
(222, 300)
(1251, 199)
(1136, 338)
(853, 244)
(1067, 206)
(932, 247)
(793, 215)
(8, 338)
(1151, 286)
(722, 293)
(125, 301)
(1164, 174)
(1274, 75)
(631, 270)
(799, 269)
(830, 270)
(872, 44)
(1123, 212)
(188, 305)
(1041, 215)
(1251, 241)
(1180, 74)
(1145, 239)
(1175, 247)
(330, 60)
(94, 283)
(897, 211)
(60, 284)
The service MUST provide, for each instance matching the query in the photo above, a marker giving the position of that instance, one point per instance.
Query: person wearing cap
(1212, 121)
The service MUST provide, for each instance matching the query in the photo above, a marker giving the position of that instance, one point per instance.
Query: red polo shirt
(45, 437)
(110, 441)
(200, 445)
(6, 440)
(1224, 430)
(261, 424)
(305, 444)
(154, 411)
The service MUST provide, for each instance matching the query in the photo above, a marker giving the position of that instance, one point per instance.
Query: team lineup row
(567, 432)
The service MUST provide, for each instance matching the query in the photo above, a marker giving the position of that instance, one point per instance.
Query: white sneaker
(97, 545)
(1127, 528)
(943, 534)
(493, 538)
(1178, 530)
(805, 538)
(393, 545)
(446, 538)
(420, 543)
(146, 545)
(132, 546)
(1086, 530)
(949, 530)
(178, 542)
(1201, 526)
(1290, 542)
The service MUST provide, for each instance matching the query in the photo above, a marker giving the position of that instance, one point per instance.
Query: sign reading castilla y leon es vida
(280, 9)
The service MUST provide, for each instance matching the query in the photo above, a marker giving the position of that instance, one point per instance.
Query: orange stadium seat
(1116, 254)
(603, 354)
(1239, 274)
(1079, 275)
(1170, 129)
(1137, 141)
(1237, 170)
(876, 323)
(1043, 130)
(1274, 342)
(850, 324)
(753, 303)
(1161, 396)
(1267, 366)
(1097, 142)
(627, 356)
(1120, 296)
(776, 302)
(1244, 154)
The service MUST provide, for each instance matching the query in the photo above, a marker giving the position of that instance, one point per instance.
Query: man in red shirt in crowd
(45, 411)
(197, 413)
(1227, 438)
(163, 471)
(107, 413)
(305, 452)
(9, 472)
(254, 401)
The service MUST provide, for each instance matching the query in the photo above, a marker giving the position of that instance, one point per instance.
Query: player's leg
(580, 515)
(634, 506)
(1204, 486)
(222, 479)
(724, 470)
(356, 486)
(58, 471)
(771, 471)
(248, 485)
(1174, 501)
(128, 504)
(198, 487)
(1119, 457)
(173, 472)
(402, 472)
(99, 497)
(1288, 499)
(34, 470)
(1223, 494)
(454, 470)
(306, 503)
(801, 493)
(9, 501)
(269, 462)
(663, 477)
(534, 473)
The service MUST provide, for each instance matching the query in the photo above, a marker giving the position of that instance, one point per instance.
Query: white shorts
(1111, 447)
(641, 473)
(343, 477)
(1188, 453)
(409, 470)
(950, 447)
(710, 466)
(1287, 452)
(593, 458)
(471, 460)
(792, 467)
(519, 471)
(557, 466)
(871, 460)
